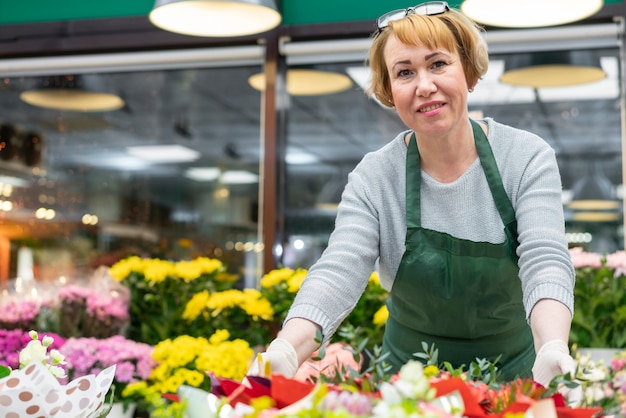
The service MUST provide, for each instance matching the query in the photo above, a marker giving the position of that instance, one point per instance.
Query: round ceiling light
(552, 69)
(302, 82)
(529, 13)
(72, 99)
(215, 18)
(552, 76)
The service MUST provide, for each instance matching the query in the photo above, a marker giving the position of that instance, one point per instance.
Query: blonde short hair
(451, 31)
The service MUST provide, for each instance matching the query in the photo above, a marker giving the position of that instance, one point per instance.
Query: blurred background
(175, 164)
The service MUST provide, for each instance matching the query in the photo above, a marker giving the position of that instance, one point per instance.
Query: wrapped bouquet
(34, 389)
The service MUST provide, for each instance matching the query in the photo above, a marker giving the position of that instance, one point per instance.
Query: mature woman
(464, 217)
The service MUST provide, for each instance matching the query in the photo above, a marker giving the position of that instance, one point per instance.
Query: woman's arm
(550, 323)
(550, 320)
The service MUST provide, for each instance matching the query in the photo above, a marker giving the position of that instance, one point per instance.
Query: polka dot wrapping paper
(34, 392)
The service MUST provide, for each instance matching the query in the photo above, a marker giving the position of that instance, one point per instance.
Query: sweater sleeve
(337, 280)
(531, 176)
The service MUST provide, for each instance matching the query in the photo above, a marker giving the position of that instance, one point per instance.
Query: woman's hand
(280, 358)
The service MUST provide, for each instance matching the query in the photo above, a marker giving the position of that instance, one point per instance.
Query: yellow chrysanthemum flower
(381, 316)
(295, 281)
(219, 336)
(431, 371)
(208, 265)
(156, 270)
(374, 278)
(255, 305)
(187, 270)
(123, 268)
(224, 300)
(196, 305)
(275, 277)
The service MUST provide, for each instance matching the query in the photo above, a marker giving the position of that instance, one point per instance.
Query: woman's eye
(439, 64)
(404, 73)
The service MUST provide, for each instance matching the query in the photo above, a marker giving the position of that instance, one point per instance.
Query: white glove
(554, 359)
(280, 358)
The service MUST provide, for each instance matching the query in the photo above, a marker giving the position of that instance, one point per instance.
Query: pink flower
(337, 355)
(581, 258)
(617, 261)
(86, 356)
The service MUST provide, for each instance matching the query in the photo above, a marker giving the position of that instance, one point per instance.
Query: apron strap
(501, 199)
(490, 168)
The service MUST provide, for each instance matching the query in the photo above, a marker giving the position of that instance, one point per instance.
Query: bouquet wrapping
(34, 391)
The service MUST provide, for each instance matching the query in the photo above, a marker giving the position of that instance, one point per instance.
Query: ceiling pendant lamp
(594, 191)
(552, 69)
(215, 18)
(529, 13)
(594, 198)
(72, 93)
(303, 82)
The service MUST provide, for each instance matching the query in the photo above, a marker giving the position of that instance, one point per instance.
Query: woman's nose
(425, 86)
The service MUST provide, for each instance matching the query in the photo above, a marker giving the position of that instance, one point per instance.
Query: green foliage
(480, 370)
(600, 308)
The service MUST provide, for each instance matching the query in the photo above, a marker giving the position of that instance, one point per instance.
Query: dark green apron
(463, 296)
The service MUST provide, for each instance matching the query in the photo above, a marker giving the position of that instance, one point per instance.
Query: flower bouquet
(160, 289)
(413, 392)
(603, 385)
(33, 389)
(133, 361)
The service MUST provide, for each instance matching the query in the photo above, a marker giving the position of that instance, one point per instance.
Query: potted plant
(187, 360)
(133, 361)
(160, 289)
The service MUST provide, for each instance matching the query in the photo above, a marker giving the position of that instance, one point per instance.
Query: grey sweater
(371, 224)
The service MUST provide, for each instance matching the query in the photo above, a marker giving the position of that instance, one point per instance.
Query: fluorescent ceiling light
(300, 157)
(164, 153)
(203, 173)
(239, 177)
(13, 181)
(121, 162)
(490, 90)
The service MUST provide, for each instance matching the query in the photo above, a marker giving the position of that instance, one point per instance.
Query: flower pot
(117, 411)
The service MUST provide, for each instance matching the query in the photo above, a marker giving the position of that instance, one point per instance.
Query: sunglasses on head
(429, 8)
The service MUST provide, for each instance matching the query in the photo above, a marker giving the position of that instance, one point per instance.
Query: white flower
(57, 371)
(594, 393)
(34, 351)
(47, 341)
(389, 393)
(57, 357)
(37, 351)
(412, 383)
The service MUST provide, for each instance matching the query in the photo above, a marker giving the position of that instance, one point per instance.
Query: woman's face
(428, 87)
